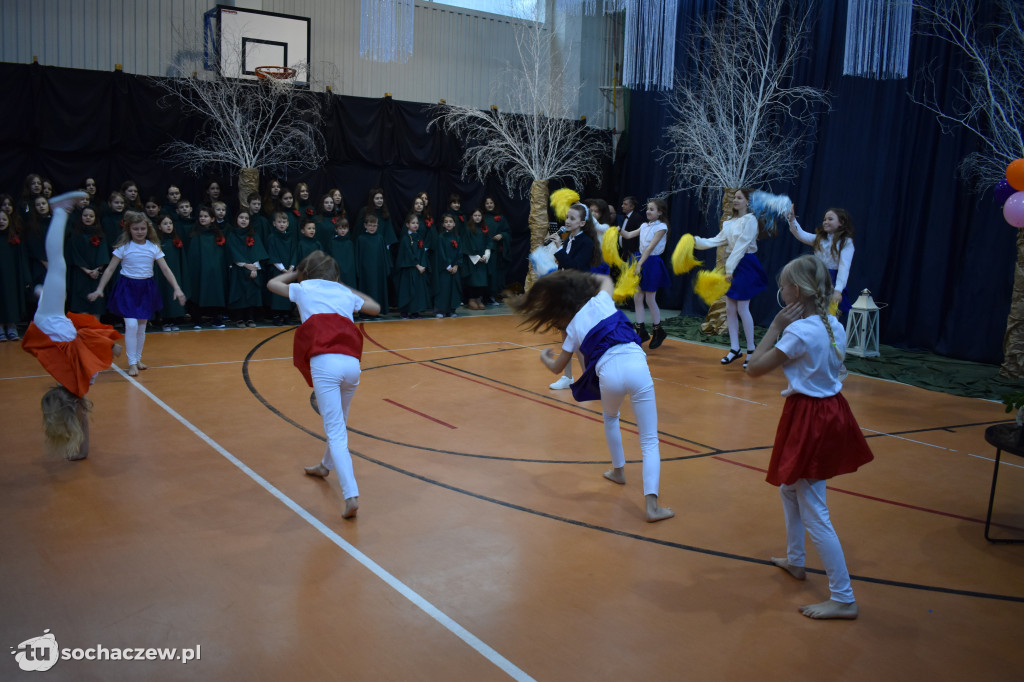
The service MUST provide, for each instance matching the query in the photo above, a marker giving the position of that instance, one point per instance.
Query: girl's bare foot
(656, 513)
(141, 365)
(798, 572)
(318, 470)
(830, 610)
(115, 350)
(133, 370)
(351, 507)
(617, 475)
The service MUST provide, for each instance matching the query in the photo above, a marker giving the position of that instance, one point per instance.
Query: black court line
(602, 529)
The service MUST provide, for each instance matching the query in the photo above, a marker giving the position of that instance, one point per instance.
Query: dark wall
(941, 257)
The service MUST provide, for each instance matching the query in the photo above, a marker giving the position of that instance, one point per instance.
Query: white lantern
(862, 327)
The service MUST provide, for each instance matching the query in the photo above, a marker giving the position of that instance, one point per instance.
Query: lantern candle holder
(862, 327)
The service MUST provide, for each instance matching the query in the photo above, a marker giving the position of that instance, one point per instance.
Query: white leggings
(652, 302)
(739, 309)
(335, 379)
(134, 339)
(804, 506)
(625, 374)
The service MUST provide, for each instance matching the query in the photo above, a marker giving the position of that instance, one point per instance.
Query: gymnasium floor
(487, 544)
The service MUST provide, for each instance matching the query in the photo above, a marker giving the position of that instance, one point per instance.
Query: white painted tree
(739, 119)
(248, 126)
(988, 102)
(536, 137)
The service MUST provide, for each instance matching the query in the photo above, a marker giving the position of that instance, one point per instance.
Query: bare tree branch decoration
(536, 137)
(247, 126)
(989, 98)
(989, 102)
(739, 120)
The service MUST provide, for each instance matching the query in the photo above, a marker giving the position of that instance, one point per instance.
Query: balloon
(1013, 210)
(1002, 191)
(1015, 174)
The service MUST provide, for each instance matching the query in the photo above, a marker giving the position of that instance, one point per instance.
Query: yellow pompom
(682, 256)
(610, 248)
(561, 200)
(833, 308)
(711, 285)
(627, 284)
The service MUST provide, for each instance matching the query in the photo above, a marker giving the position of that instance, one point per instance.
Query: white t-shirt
(137, 259)
(315, 296)
(647, 233)
(813, 368)
(593, 311)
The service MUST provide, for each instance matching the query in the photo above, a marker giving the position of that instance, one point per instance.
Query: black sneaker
(641, 329)
(657, 336)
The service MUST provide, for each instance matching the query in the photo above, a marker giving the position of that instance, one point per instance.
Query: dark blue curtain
(940, 257)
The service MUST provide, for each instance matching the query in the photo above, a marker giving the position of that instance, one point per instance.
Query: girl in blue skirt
(742, 269)
(833, 245)
(135, 296)
(653, 271)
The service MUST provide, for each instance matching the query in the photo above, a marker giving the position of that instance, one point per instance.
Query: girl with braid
(818, 436)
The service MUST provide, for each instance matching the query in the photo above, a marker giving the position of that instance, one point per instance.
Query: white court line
(394, 583)
(992, 459)
(909, 440)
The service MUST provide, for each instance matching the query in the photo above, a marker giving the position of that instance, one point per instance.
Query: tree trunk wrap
(1013, 340)
(538, 222)
(715, 321)
(248, 182)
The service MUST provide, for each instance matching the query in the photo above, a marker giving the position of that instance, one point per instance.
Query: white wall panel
(458, 55)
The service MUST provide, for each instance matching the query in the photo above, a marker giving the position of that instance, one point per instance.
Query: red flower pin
(497, 218)
(219, 241)
(249, 241)
(14, 240)
(430, 222)
(94, 240)
(177, 243)
(485, 230)
(296, 212)
(309, 211)
(455, 244)
(419, 244)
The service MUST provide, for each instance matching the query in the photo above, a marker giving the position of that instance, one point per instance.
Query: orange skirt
(817, 438)
(74, 363)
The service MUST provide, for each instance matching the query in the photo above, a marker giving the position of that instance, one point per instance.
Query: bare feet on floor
(115, 350)
(133, 370)
(798, 572)
(319, 470)
(830, 610)
(616, 475)
(656, 513)
(141, 365)
(351, 507)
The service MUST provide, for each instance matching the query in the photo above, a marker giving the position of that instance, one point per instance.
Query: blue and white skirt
(748, 280)
(135, 298)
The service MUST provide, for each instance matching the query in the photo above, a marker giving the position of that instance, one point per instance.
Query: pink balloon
(1013, 210)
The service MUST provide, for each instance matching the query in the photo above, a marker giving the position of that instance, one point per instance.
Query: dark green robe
(83, 251)
(14, 279)
(474, 242)
(174, 256)
(343, 250)
(411, 284)
(501, 254)
(448, 292)
(208, 268)
(280, 249)
(244, 290)
(373, 266)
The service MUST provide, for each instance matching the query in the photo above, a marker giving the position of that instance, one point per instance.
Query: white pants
(804, 506)
(623, 374)
(134, 339)
(335, 379)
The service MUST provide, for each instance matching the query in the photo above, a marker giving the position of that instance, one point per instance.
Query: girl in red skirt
(818, 437)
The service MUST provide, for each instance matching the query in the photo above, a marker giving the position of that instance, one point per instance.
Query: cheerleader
(833, 245)
(653, 271)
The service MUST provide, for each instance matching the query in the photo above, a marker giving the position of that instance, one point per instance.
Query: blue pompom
(769, 207)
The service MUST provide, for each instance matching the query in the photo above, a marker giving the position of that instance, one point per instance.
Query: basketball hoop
(275, 73)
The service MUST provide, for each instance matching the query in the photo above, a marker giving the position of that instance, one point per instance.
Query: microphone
(563, 229)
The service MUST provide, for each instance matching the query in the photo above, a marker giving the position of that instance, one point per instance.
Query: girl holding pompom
(653, 271)
(742, 269)
(833, 245)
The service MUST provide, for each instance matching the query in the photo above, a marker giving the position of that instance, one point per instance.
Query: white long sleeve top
(739, 235)
(824, 253)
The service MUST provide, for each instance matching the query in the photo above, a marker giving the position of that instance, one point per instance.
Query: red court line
(362, 328)
(425, 416)
(873, 498)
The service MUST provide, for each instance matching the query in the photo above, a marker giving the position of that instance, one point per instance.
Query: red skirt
(817, 438)
(74, 363)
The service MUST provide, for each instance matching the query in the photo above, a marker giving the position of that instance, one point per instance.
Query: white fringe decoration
(590, 7)
(386, 30)
(878, 38)
(649, 50)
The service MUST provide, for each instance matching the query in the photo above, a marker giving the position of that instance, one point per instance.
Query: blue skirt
(135, 298)
(748, 280)
(844, 304)
(654, 275)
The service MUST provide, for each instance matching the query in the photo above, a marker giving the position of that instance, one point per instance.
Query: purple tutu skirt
(135, 298)
(654, 275)
(748, 279)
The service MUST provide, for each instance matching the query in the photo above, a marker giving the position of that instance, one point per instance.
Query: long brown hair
(318, 265)
(844, 232)
(553, 299)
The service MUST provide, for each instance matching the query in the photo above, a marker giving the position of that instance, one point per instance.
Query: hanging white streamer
(649, 49)
(576, 7)
(386, 30)
(878, 38)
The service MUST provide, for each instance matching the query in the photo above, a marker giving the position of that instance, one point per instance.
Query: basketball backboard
(247, 38)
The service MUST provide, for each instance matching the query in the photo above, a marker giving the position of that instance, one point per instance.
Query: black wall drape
(940, 257)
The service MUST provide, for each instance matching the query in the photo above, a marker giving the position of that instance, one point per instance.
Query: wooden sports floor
(487, 544)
